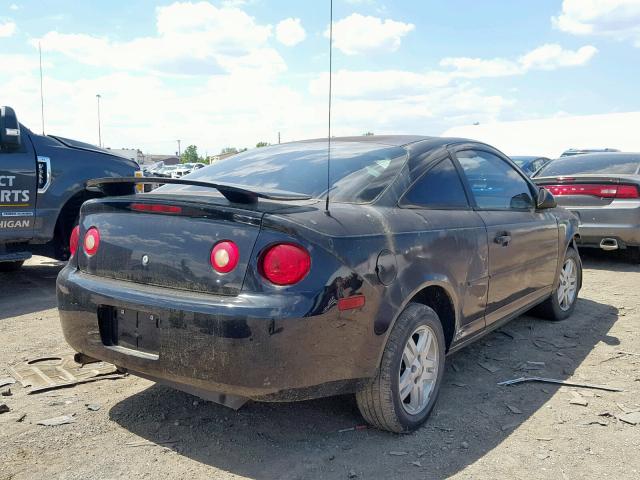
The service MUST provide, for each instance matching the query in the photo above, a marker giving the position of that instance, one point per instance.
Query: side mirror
(9, 129)
(545, 199)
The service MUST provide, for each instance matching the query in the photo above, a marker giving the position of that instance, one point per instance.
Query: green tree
(367, 134)
(226, 150)
(190, 155)
(262, 144)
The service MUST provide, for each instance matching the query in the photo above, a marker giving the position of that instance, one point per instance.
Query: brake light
(596, 190)
(285, 264)
(224, 256)
(627, 191)
(74, 239)
(155, 208)
(91, 241)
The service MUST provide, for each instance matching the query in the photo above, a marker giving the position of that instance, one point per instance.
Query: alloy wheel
(418, 370)
(568, 286)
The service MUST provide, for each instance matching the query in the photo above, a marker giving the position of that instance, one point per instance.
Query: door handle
(503, 239)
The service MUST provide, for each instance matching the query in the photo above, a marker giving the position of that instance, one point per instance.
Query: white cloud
(553, 56)
(357, 34)
(618, 19)
(290, 32)
(545, 57)
(13, 7)
(380, 84)
(192, 39)
(479, 67)
(7, 29)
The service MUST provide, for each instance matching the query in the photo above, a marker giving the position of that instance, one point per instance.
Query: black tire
(379, 401)
(551, 309)
(10, 266)
(634, 254)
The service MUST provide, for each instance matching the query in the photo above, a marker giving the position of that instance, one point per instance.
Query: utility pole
(98, 97)
(278, 138)
(179, 152)
(41, 91)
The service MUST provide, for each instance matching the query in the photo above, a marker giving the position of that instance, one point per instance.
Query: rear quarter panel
(444, 248)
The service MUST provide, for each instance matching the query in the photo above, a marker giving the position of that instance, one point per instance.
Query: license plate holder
(130, 328)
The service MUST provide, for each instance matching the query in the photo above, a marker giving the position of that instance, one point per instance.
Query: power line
(41, 90)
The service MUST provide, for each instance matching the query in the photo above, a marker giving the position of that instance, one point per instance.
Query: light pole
(98, 97)
(179, 152)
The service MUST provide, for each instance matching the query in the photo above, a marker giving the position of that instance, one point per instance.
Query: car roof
(605, 155)
(392, 140)
(426, 142)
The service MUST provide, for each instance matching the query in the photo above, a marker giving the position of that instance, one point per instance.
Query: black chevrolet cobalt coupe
(237, 282)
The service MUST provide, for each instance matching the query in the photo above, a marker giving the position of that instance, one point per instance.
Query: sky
(236, 72)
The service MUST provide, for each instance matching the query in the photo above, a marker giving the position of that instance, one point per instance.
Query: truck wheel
(10, 266)
(403, 393)
(562, 302)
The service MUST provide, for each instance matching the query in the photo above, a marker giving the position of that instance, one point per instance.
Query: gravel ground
(477, 430)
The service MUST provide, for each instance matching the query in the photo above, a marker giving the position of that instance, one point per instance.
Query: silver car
(603, 191)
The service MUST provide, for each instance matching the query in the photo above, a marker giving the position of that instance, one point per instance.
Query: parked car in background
(180, 171)
(42, 185)
(603, 190)
(581, 151)
(165, 172)
(185, 169)
(195, 166)
(153, 169)
(245, 281)
(530, 164)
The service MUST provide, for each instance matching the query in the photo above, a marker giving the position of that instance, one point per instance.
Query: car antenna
(329, 132)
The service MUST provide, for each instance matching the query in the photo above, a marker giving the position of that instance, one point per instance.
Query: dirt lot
(478, 429)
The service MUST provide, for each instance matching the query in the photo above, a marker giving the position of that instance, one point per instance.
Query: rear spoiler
(112, 186)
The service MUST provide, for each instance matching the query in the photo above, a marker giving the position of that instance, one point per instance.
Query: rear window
(359, 171)
(593, 163)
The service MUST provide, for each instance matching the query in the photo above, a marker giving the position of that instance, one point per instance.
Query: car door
(17, 191)
(523, 242)
(455, 238)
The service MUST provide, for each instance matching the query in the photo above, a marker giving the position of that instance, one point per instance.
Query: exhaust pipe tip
(609, 244)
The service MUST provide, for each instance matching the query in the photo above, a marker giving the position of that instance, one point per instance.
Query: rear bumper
(591, 236)
(620, 221)
(262, 347)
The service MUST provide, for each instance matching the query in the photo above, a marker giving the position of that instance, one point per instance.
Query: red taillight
(627, 191)
(595, 190)
(155, 208)
(74, 239)
(91, 241)
(285, 264)
(224, 256)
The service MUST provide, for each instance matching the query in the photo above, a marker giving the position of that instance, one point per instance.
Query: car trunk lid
(167, 242)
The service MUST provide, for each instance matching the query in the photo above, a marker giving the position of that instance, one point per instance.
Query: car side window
(440, 187)
(495, 184)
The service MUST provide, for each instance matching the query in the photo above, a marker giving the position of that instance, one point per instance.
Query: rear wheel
(10, 266)
(403, 393)
(562, 302)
